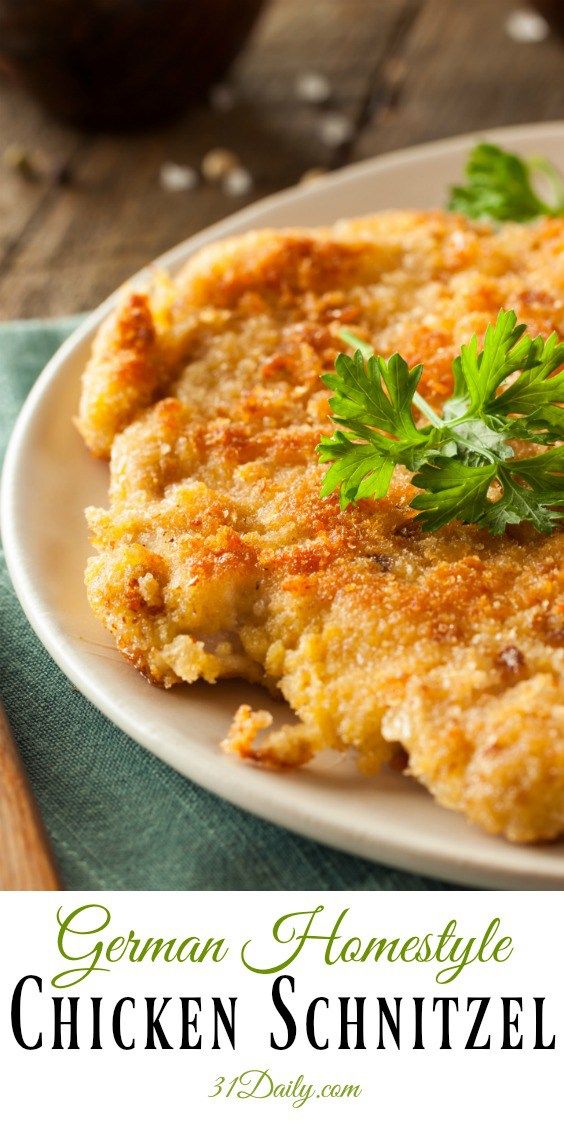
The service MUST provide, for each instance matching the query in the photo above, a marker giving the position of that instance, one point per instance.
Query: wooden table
(402, 71)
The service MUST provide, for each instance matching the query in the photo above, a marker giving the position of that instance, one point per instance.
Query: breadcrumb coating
(217, 557)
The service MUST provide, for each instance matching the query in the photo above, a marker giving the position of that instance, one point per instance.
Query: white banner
(233, 1008)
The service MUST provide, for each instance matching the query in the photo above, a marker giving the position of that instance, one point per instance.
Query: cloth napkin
(117, 817)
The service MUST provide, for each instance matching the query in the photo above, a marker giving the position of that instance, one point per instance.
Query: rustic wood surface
(402, 71)
(25, 856)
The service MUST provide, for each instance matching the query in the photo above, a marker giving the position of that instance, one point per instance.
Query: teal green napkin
(118, 818)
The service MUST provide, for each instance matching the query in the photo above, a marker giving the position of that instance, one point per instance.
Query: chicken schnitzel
(218, 558)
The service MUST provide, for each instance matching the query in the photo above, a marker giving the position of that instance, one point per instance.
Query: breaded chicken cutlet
(218, 558)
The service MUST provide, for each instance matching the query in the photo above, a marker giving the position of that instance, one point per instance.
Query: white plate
(49, 479)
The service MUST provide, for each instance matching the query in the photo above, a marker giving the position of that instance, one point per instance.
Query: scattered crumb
(335, 128)
(177, 178)
(312, 174)
(218, 163)
(525, 26)
(245, 727)
(290, 747)
(237, 182)
(312, 87)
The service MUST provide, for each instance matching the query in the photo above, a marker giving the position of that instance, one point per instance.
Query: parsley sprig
(500, 186)
(463, 461)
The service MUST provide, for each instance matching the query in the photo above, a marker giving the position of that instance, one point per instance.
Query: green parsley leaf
(380, 389)
(358, 471)
(464, 463)
(500, 187)
(535, 396)
(453, 490)
(373, 398)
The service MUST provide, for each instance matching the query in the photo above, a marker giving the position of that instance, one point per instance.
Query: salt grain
(312, 87)
(526, 26)
(237, 182)
(177, 178)
(335, 129)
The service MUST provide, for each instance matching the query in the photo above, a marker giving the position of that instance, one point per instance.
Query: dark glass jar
(120, 64)
(553, 12)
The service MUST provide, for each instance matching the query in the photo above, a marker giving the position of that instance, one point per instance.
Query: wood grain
(457, 70)
(82, 241)
(26, 861)
(402, 71)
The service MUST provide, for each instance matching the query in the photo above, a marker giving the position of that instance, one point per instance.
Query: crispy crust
(124, 374)
(217, 557)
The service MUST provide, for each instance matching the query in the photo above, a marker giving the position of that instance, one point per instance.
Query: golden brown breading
(218, 558)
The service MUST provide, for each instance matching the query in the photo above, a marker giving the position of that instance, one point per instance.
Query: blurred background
(127, 125)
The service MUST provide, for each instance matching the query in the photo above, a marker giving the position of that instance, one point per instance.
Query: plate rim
(428, 862)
